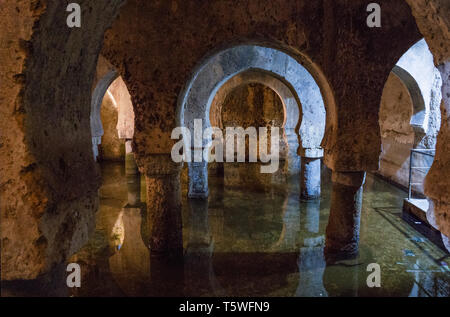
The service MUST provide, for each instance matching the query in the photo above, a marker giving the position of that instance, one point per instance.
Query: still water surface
(260, 242)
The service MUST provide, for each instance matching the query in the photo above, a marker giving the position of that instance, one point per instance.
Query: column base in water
(342, 233)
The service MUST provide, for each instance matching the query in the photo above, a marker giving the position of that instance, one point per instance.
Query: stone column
(198, 180)
(96, 141)
(163, 205)
(133, 176)
(312, 215)
(198, 173)
(310, 173)
(342, 233)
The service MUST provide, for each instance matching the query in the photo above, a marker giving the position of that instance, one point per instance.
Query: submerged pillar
(342, 233)
(163, 205)
(310, 173)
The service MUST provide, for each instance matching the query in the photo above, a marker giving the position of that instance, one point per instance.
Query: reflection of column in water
(133, 177)
(291, 221)
(130, 266)
(425, 283)
(198, 222)
(167, 276)
(199, 275)
(311, 260)
(341, 278)
(312, 213)
(311, 265)
(134, 190)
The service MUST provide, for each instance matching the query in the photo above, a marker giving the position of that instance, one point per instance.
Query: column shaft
(342, 233)
(164, 214)
(310, 178)
(198, 180)
(163, 221)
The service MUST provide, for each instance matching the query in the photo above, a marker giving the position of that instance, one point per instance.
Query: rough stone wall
(49, 181)
(397, 134)
(410, 116)
(433, 20)
(332, 33)
(16, 192)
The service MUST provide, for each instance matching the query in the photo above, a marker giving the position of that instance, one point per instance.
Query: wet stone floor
(247, 241)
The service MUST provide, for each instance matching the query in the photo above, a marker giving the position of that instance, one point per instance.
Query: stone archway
(195, 101)
(410, 115)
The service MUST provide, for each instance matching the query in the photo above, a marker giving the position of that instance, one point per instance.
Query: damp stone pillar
(163, 205)
(310, 173)
(342, 233)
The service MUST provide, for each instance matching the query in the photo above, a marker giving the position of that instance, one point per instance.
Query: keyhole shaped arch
(196, 99)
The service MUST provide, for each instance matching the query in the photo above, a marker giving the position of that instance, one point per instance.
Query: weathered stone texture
(332, 33)
(49, 181)
(433, 20)
(48, 178)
